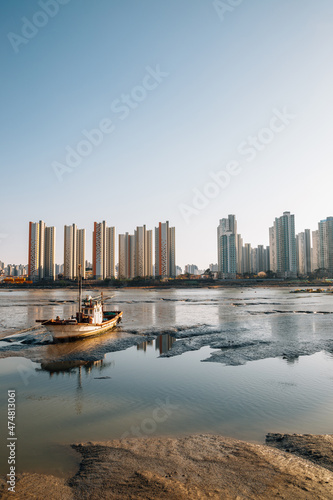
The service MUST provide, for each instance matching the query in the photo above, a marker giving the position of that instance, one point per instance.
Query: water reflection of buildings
(163, 343)
(143, 346)
(49, 309)
(164, 312)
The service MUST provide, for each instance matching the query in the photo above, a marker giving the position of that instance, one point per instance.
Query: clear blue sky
(221, 80)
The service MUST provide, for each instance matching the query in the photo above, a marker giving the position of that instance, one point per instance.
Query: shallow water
(270, 370)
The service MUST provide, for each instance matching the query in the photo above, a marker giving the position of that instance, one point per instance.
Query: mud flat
(192, 467)
(316, 448)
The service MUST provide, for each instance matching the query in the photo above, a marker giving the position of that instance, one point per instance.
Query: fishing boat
(91, 319)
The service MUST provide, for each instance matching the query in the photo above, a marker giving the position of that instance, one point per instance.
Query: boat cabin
(92, 311)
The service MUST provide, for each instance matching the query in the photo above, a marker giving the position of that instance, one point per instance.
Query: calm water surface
(123, 384)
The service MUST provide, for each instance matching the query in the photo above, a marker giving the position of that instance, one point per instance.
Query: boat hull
(62, 332)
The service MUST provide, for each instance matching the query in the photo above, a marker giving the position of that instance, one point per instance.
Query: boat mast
(80, 290)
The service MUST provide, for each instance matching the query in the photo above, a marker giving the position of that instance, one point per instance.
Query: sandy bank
(193, 467)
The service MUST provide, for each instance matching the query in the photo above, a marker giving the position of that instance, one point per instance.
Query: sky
(142, 111)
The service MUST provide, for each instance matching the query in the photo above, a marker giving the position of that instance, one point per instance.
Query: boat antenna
(80, 289)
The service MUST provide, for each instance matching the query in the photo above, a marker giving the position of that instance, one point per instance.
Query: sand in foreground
(192, 467)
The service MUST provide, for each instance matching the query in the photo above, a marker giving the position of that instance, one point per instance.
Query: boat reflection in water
(61, 367)
(163, 343)
(88, 354)
(78, 358)
(89, 349)
(76, 367)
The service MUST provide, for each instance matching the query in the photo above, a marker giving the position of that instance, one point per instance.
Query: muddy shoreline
(174, 284)
(289, 466)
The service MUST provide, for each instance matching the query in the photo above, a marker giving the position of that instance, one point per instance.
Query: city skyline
(160, 123)
(74, 252)
(288, 254)
(135, 252)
